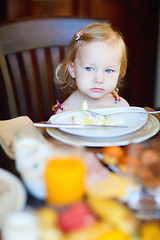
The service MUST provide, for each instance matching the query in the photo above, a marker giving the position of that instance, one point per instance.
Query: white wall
(157, 88)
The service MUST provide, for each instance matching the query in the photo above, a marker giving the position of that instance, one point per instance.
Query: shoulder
(73, 101)
(123, 103)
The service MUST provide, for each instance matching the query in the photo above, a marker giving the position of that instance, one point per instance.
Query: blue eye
(108, 70)
(89, 68)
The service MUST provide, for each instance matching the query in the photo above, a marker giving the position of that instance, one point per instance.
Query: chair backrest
(30, 50)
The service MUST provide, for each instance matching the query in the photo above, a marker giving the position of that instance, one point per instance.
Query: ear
(71, 70)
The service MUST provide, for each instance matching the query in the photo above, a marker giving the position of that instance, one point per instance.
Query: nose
(99, 77)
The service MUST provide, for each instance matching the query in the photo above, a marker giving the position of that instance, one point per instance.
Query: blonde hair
(93, 32)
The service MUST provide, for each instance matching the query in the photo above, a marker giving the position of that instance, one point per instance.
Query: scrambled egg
(90, 120)
(98, 119)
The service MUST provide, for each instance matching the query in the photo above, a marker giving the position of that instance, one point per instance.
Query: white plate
(134, 122)
(150, 129)
(12, 194)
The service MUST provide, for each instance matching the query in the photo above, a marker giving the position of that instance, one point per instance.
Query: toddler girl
(93, 67)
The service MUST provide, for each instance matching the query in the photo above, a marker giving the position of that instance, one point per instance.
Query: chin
(97, 96)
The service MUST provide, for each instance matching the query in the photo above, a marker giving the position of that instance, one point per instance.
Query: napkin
(8, 129)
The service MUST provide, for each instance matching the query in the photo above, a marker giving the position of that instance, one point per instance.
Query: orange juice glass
(64, 177)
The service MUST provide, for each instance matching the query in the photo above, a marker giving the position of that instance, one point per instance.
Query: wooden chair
(30, 50)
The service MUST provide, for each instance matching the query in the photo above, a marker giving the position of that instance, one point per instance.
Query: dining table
(9, 165)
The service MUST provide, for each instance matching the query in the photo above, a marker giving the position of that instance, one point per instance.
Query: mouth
(97, 89)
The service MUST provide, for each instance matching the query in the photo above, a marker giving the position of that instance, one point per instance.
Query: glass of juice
(65, 176)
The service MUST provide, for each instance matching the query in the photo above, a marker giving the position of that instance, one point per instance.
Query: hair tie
(79, 35)
(57, 106)
(116, 96)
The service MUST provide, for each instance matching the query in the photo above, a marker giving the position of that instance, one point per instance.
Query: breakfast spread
(95, 219)
(85, 220)
(141, 162)
(88, 201)
(100, 214)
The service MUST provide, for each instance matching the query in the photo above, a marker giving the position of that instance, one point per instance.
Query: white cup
(20, 225)
(31, 153)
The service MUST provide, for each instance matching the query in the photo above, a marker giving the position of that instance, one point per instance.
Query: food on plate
(100, 182)
(134, 150)
(114, 234)
(92, 232)
(113, 186)
(140, 161)
(85, 107)
(112, 221)
(113, 155)
(76, 217)
(91, 119)
(150, 156)
(150, 230)
(146, 168)
(114, 212)
(47, 218)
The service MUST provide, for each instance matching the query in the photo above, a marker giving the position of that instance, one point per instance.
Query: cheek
(82, 79)
(113, 78)
(81, 84)
(111, 82)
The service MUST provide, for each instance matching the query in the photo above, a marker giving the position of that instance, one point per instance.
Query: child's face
(96, 68)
